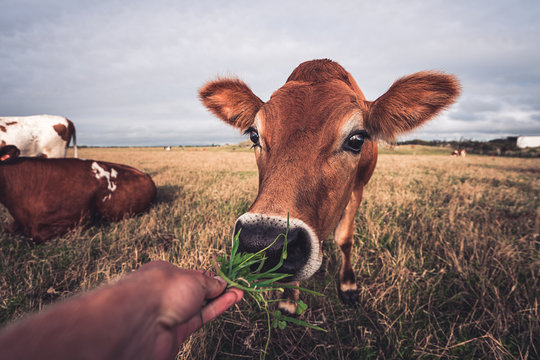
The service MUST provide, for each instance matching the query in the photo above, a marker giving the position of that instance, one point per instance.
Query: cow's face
(314, 141)
(309, 142)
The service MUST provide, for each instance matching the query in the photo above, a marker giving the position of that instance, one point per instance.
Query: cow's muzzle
(258, 231)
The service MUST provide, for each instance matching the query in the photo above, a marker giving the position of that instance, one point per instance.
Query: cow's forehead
(301, 106)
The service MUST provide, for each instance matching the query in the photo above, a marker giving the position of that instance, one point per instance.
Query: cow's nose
(260, 231)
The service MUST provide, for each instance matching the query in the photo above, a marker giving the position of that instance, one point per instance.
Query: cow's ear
(232, 101)
(410, 102)
(9, 152)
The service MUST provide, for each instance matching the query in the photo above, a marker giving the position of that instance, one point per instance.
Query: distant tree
(495, 147)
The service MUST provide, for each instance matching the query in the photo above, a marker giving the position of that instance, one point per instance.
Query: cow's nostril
(298, 250)
(256, 233)
(254, 236)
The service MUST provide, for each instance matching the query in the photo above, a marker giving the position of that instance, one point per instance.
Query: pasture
(447, 254)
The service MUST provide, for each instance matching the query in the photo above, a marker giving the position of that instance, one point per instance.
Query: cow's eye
(355, 141)
(253, 136)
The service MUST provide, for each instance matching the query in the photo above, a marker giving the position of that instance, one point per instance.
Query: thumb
(214, 287)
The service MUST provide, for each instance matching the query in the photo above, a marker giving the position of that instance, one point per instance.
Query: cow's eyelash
(249, 130)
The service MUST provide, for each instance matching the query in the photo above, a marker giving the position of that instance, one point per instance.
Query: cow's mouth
(260, 231)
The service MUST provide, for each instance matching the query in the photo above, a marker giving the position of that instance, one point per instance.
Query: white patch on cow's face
(258, 126)
(257, 123)
(354, 123)
(100, 173)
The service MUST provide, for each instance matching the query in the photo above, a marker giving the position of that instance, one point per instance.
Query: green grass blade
(273, 279)
(288, 286)
(301, 323)
(236, 243)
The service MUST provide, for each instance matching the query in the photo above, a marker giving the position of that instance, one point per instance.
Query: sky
(128, 72)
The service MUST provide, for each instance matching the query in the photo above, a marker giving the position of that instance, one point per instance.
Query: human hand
(189, 299)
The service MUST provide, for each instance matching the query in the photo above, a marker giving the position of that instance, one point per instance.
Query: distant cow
(39, 135)
(459, 152)
(46, 197)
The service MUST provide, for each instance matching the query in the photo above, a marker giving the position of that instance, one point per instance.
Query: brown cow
(46, 197)
(315, 144)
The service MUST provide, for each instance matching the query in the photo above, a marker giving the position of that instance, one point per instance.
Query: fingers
(220, 304)
(214, 286)
(239, 294)
(210, 312)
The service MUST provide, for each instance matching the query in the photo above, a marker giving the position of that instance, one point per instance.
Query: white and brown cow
(315, 145)
(459, 152)
(46, 197)
(39, 135)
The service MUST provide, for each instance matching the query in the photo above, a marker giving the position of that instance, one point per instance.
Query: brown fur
(48, 196)
(319, 71)
(62, 131)
(232, 101)
(410, 102)
(304, 170)
(65, 133)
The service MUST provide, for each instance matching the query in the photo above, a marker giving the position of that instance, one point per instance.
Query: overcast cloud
(127, 72)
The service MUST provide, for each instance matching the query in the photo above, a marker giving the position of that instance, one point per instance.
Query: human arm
(146, 315)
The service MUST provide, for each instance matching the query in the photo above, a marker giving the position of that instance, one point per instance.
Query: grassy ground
(447, 253)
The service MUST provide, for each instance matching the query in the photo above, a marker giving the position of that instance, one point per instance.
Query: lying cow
(39, 135)
(46, 197)
(315, 144)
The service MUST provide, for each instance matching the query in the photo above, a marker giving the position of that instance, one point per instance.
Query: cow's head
(9, 152)
(314, 141)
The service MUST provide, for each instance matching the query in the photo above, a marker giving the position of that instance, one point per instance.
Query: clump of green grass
(237, 272)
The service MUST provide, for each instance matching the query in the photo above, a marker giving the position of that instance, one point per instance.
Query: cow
(459, 152)
(38, 135)
(315, 144)
(46, 197)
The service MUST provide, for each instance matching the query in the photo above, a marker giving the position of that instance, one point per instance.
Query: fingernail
(218, 278)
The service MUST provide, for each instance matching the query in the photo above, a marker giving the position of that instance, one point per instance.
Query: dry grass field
(447, 252)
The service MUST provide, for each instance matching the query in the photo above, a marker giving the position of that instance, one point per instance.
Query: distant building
(528, 141)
